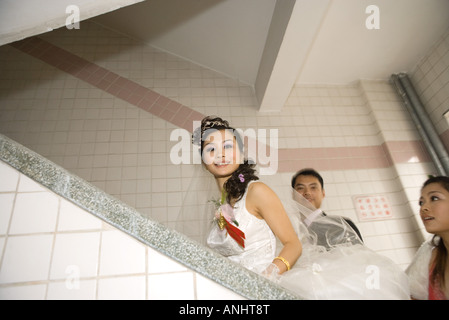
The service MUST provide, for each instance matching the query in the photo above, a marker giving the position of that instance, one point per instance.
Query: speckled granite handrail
(157, 236)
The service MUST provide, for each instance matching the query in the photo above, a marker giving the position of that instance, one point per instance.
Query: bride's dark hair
(235, 187)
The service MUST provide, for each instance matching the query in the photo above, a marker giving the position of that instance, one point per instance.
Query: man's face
(310, 188)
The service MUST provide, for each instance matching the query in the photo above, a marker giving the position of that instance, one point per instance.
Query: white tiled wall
(125, 150)
(52, 249)
(431, 79)
(324, 116)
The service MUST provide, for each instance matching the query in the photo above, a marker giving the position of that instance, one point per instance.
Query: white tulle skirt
(335, 264)
(342, 269)
(351, 272)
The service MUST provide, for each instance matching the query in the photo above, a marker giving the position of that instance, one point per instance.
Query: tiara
(210, 123)
(206, 124)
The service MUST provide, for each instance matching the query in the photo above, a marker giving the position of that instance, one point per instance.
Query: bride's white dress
(346, 271)
(260, 242)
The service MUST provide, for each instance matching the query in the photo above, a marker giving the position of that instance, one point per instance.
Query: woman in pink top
(429, 271)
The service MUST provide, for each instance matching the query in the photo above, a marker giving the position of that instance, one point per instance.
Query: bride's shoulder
(259, 196)
(258, 189)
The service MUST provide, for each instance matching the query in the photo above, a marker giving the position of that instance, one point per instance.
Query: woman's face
(221, 154)
(434, 212)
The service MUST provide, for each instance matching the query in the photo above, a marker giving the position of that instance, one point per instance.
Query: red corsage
(225, 217)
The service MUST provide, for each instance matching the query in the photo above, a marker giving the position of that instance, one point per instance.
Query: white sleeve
(418, 272)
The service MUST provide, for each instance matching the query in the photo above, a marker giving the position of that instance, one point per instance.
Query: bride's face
(221, 154)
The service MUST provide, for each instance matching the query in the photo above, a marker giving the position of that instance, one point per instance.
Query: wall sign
(372, 207)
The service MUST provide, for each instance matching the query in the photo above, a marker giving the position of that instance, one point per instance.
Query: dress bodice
(260, 242)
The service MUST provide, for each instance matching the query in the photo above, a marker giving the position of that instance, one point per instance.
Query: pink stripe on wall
(407, 151)
(346, 158)
(110, 82)
(342, 158)
(290, 160)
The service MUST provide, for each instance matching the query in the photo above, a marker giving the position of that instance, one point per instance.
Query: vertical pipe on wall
(422, 121)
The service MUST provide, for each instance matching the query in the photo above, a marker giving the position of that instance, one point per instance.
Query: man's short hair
(308, 172)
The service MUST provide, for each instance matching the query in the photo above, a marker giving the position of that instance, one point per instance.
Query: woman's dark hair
(437, 275)
(234, 187)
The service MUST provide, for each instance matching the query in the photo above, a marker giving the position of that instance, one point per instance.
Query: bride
(250, 222)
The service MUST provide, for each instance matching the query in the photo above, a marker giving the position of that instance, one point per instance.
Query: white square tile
(34, 212)
(9, 178)
(26, 258)
(2, 245)
(121, 254)
(26, 292)
(75, 255)
(28, 185)
(122, 288)
(159, 263)
(72, 217)
(207, 289)
(6, 205)
(162, 286)
(72, 290)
